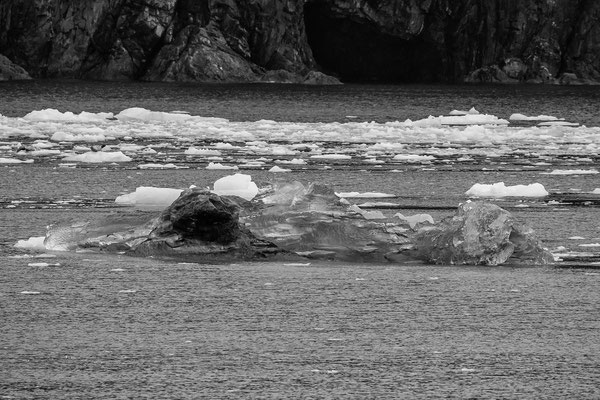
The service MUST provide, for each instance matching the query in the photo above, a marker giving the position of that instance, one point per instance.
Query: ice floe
(99, 157)
(237, 185)
(501, 190)
(572, 172)
(33, 243)
(522, 117)
(149, 196)
(216, 165)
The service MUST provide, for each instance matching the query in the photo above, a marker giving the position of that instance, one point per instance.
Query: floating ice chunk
(202, 152)
(414, 220)
(236, 185)
(212, 165)
(33, 243)
(500, 190)
(472, 111)
(480, 233)
(225, 146)
(365, 195)
(522, 117)
(468, 119)
(279, 169)
(413, 157)
(596, 191)
(590, 245)
(43, 264)
(89, 136)
(159, 166)
(51, 114)
(4, 160)
(30, 292)
(378, 204)
(572, 172)
(282, 151)
(99, 157)
(367, 214)
(332, 156)
(143, 114)
(294, 161)
(147, 196)
(558, 123)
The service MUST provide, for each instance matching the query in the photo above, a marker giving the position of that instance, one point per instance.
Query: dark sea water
(88, 325)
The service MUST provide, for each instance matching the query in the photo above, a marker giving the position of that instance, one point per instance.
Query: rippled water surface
(87, 325)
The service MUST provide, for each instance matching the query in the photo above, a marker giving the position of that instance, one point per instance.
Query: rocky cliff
(285, 40)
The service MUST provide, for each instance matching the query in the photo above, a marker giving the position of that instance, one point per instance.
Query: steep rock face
(448, 40)
(183, 40)
(283, 40)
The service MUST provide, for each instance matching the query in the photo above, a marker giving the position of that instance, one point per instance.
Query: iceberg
(499, 189)
(297, 221)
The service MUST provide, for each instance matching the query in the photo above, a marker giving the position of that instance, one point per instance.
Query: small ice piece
(522, 117)
(141, 114)
(472, 118)
(4, 160)
(572, 172)
(30, 292)
(212, 165)
(34, 243)
(98, 157)
(332, 156)
(90, 135)
(279, 169)
(159, 166)
(596, 191)
(193, 151)
(51, 114)
(576, 238)
(294, 161)
(149, 196)
(128, 291)
(414, 220)
(590, 245)
(366, 195)
(558, 123)
(413, 158)
(498, 190)
(236, 185)
(43, 264)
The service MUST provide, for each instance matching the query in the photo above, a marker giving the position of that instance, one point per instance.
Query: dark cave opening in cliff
(357, 51)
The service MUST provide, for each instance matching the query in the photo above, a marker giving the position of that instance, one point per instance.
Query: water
(109, 326)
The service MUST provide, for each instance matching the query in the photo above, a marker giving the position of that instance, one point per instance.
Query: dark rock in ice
(480, 234)
(199, 225)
